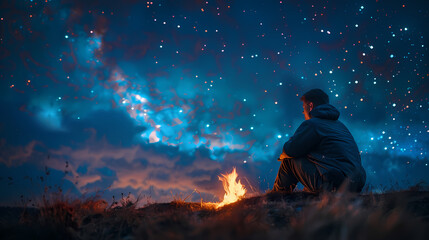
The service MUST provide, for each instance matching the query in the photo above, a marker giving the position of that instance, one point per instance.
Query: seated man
(322, 154)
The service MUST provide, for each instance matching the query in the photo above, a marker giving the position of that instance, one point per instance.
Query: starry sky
(159, 98)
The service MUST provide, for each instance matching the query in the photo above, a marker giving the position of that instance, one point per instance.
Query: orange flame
(233, 190)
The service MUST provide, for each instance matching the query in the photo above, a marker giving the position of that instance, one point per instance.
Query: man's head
(312, 99)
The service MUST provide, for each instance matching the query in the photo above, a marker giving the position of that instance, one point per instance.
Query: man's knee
(302, 166)
(293, 163)
(288, 165)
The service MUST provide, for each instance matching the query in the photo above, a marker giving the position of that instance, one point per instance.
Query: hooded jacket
(327, 142)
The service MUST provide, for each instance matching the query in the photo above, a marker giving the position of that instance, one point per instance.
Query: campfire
(234, 190)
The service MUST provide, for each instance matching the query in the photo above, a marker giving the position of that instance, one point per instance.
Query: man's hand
(283, 156)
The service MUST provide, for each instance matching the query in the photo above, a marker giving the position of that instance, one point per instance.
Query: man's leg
(293, 170)
(285, 180)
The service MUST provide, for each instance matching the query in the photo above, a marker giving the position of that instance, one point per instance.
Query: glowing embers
(234, 190)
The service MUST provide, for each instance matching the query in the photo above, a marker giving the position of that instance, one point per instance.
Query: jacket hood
(325, 111)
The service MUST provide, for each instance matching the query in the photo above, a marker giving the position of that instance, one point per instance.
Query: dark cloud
(157, 171)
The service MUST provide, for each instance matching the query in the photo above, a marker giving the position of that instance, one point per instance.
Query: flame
(233, 190)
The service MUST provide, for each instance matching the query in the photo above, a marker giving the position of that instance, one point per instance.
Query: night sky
(159, 98)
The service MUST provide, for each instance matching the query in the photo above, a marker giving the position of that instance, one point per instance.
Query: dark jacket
(325, 140)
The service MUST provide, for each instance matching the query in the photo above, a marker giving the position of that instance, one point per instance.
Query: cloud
(18, 155)
(162, 172)
(47, 113)
(139, 167)
(393, 171)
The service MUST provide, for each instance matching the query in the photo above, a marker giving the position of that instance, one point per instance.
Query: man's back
(327, 142)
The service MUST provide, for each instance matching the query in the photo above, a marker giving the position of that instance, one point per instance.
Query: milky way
(161, 97)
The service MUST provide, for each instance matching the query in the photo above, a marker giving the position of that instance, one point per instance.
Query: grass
(393, 215)
(300, 215)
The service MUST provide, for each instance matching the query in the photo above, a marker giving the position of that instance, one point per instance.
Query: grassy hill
(394, 215)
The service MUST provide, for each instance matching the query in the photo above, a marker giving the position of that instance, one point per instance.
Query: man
(322, 154)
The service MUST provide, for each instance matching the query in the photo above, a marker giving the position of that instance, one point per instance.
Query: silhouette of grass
(300, 215)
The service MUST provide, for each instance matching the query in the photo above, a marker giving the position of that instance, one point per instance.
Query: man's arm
(302, 142)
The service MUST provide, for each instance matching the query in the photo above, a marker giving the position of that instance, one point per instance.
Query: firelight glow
(234, 190)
